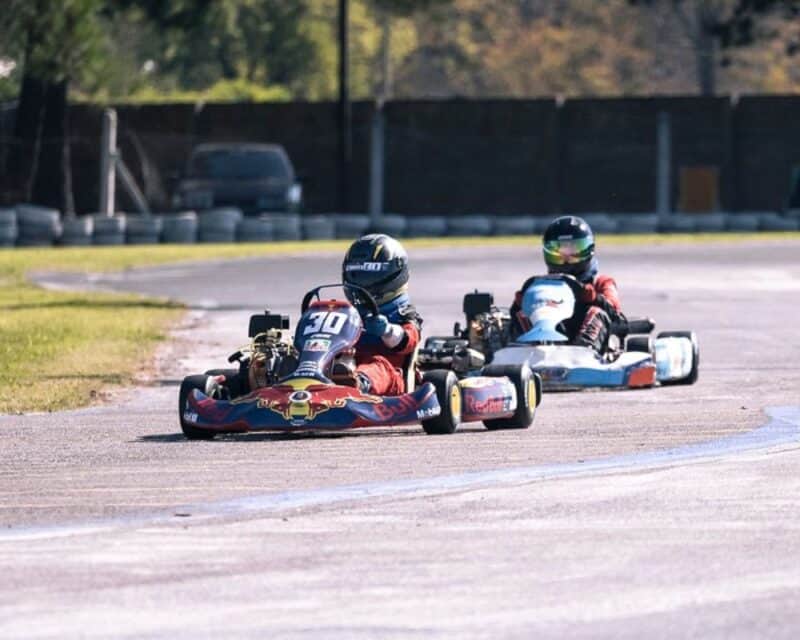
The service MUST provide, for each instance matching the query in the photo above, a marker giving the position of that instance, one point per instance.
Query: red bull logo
(302, 406)
(297, 407)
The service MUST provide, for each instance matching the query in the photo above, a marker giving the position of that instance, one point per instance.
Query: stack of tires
(286, 226)
(390, 224)
(515, 226)
(8, 228)
(318, 228)
(350, 226)
(37, 226)
(179, 228)
(109, 230)
(143, 229)
(469, 226)
(219, 225)
(259, 229)
(77, 231)
(426, 226)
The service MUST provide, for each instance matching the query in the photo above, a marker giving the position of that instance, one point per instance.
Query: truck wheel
(448, 394)
(528, 386)
(692, 337)
(189, 383)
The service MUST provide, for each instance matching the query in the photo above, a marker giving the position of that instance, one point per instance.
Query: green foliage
(237, 90)
(55, 41)
(115, 50)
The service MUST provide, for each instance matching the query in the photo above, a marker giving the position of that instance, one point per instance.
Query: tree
(54, 43)
(387, 13)
(712, 24)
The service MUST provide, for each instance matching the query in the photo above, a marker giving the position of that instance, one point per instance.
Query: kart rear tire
(693, 374)
(449, 395)
(189, 383)
(641, 344)
(528, 386)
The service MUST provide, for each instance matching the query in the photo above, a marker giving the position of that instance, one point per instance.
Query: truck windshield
(238, 165)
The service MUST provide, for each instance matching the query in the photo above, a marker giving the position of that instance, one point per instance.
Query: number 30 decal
(325, 322)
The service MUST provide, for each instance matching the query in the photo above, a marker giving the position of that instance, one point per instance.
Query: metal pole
(663, 164)
(376, 165)
(108, 163)
(345, 116)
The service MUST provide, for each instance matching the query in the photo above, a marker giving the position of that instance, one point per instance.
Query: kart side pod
(502, 397)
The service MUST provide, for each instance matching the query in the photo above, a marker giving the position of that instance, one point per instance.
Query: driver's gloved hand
(588, 294)
(376, 325)
(380, 327)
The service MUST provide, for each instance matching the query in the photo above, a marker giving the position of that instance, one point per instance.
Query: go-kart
(632, 357)
(287, 386)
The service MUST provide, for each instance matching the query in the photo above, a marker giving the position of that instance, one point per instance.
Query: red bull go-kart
(633, 357)
(288, 387)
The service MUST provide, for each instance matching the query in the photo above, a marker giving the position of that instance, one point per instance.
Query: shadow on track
(272, 436)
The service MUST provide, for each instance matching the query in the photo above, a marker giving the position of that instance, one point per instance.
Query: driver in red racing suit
(569, 249)
(379, 264)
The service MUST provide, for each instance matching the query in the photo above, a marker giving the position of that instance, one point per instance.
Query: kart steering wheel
(364, 296)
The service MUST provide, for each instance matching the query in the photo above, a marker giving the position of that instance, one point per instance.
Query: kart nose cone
(543, 331)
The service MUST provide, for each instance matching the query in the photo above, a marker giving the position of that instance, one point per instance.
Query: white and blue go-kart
(633, 358)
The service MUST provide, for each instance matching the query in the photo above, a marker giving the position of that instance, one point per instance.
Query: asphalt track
(668, 513)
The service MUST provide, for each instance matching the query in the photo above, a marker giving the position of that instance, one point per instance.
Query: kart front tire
(448, 393)
(189, 383)
(692, 337)
(528, 387)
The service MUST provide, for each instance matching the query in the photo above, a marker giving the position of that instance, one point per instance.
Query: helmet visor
(567, 251)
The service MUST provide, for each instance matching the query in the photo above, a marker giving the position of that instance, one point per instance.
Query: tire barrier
(514, 225)
(710, 222)
(742, 222)
(286, 226)
(601, 222)
(37, 226)
(465, 226)
(30, 225)
(259, 229)
(638, 223)
(425, 226)
(350, 226)
(180, 228)
(774, 222)
(219, 225)
(77, 232)
(391, 224)
(143, 229)
(318, 228)
(677, 223)
(109, 230)
(8, 228)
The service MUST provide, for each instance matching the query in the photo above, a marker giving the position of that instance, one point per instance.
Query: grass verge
(59, 350)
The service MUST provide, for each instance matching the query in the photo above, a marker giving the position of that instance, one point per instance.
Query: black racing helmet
(377, 263)
(568, 244)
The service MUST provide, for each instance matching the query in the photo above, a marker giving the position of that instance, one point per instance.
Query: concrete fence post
(663, 164)
(108, 163)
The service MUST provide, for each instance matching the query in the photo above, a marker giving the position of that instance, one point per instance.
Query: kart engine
(488, 331)
(270, 359)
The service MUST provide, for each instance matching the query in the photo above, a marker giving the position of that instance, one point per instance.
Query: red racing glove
(588, 295)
